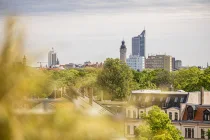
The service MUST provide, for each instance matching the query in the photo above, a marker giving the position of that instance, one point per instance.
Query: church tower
(123, 51)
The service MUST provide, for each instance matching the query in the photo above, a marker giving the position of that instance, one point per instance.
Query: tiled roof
(198, 112)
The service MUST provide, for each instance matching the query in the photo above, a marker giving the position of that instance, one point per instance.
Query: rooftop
(158, 92)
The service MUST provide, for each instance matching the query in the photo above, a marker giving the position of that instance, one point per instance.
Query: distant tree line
(117, 80)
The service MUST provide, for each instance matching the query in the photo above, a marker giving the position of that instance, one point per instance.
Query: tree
(116, 78)
(208, 134)
(162, 78)
(157, 126)
(188, 79)
(144, 79)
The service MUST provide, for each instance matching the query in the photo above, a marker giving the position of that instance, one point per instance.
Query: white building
(189, 112)
(136, 62)
(52, 58)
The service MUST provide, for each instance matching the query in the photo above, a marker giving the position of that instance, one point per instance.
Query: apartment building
(159, 62)
(189, 112)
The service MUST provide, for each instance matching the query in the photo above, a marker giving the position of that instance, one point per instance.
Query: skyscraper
(138, 44)
(178, 64)
(123, 51)
(52, 57)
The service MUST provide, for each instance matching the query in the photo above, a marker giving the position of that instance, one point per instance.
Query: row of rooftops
(158, 92)
(168, 99)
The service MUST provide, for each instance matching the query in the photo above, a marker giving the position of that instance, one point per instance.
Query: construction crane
(41, 63)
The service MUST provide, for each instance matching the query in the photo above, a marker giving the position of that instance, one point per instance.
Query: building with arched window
(188, 111)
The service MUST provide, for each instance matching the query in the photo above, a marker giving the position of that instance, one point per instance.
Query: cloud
(83, 6)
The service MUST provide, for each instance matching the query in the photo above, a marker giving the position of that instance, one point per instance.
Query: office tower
(178, 64)
(173, 63)
(136, 62)
(123, 51)
(52, 57)
(138, 44)
(159, 62)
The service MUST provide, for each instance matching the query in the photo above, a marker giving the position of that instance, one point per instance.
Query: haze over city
(93, 30)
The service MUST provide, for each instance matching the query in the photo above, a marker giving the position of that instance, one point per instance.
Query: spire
(123, 45)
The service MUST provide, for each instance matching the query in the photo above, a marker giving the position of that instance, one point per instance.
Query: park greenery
(156, 125)
(117, 80)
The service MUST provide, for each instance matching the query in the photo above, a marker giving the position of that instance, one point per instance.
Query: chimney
(90, 93)
(202, 95)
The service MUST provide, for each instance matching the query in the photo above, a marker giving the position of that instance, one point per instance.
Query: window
(170, 115)
(134, 114)
(128, 129)
(176, 99)
(129, 114)
(190, 113)
(206, 115)
(147, 99)
(182, 100)
(134, 98)
(134, 128)
(167, 99)
(189, 132)
(202, 134)
(176, 116)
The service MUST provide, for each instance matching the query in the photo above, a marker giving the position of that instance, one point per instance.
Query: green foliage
(208, 134)
(157, 126)
(116, 78)
(188, 79)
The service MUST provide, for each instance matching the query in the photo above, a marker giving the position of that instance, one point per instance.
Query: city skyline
(78, 33)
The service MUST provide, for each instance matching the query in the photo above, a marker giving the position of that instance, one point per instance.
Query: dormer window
(153, 99)
(134, 98)
(206, 115)
(147, 99)
(182, 100)
(167, 99)
(176, 99)
(190, 113)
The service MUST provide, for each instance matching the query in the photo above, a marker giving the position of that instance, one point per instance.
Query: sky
(92, 30)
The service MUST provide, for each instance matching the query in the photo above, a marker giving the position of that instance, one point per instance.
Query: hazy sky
(82, 30)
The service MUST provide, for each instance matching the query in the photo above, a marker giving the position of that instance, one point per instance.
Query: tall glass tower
(138, 44)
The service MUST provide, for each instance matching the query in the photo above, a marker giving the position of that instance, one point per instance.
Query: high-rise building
(52, 58)
(136, 62)
(159, 62)
(173, 63)
(138, 44)
(178, 64)
(123, 51)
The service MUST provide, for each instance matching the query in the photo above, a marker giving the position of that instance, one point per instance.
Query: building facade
(123, 51)
(178, 64)
(173, 63)
(136, 62)
(138, 44)
(159, 62)
(189, 112)
(52, 58)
